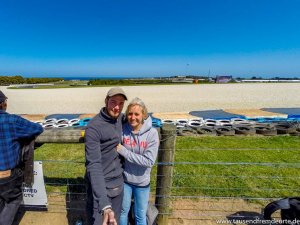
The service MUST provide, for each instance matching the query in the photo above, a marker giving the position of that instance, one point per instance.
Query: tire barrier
(201, 127)
(225, 131)
(75, 125)
(186, 131)
(244, 130)
(210, 121)
(224, 123)
(229, 125)
(64, 123)
(72, 121)
(194, 124)
(296, 133)
(235, 126)
(200, 120)
(285, 128)
(168, 122)
(52, 120)
(246, 123)
(210, 124)
(179, 126)
(182, 122)
(238, 120)
(48, 125)
(208, 131)
(265, 130)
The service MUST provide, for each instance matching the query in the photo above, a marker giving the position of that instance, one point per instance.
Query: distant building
(223, 79)
(182, 79)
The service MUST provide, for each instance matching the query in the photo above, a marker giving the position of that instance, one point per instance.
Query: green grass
(59, 84)
(83, 84)
(279, 177)
(62, 164)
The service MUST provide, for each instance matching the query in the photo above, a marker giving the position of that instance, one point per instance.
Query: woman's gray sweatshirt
(140, 152)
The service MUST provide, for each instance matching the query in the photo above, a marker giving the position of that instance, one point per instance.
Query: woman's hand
(119, 147)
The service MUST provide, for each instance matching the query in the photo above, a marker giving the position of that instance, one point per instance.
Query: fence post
(165, 172)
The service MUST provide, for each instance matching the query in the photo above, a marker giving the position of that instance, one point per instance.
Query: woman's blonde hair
(139, 102)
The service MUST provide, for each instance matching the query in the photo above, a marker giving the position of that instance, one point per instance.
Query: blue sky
(150, 38)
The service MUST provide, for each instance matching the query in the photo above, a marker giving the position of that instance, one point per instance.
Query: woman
(140, 146)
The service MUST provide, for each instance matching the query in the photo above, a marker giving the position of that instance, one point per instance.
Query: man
(103, 163)
(13, 131)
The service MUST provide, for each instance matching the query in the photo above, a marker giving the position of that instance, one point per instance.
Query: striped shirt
(13, 129)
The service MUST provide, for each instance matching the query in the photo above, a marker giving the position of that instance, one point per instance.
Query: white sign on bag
(35, 194)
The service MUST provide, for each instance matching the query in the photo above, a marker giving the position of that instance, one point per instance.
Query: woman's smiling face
(135, 117)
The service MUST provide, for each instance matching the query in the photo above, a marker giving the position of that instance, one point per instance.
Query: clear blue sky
(150, 37)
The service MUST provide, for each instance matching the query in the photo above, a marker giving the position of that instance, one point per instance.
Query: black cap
(2, 97)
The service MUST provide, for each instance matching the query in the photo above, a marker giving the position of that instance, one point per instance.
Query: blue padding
(267, 119)
(156, 122)
(62, 116)
(292, 116)
(293, 119)
(216, 114)
(288, 111)
(84, 121)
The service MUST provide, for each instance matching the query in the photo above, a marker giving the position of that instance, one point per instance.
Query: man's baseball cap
(116, 91)
(2, 97)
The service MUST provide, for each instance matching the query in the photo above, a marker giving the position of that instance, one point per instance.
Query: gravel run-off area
(159, 98)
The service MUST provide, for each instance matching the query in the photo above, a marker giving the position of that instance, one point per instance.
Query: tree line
(127, 81)
(8, 80)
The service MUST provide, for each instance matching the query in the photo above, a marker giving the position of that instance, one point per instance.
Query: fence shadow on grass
(76, 201)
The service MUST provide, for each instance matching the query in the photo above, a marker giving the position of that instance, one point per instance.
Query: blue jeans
(10, 196)
(141, 198)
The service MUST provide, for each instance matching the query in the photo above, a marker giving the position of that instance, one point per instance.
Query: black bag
(290, 209)
(151, 214)
(27, 160)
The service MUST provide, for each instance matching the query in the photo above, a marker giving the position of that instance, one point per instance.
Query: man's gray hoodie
(103, 163)
(140, 152)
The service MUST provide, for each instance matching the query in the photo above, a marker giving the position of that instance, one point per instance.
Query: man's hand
(109, 217)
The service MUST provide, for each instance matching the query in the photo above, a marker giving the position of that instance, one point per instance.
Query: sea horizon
(122, 77)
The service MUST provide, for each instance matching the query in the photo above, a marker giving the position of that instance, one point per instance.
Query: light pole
(186, 69)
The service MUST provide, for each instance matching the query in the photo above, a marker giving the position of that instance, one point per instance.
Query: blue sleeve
(27, 129)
